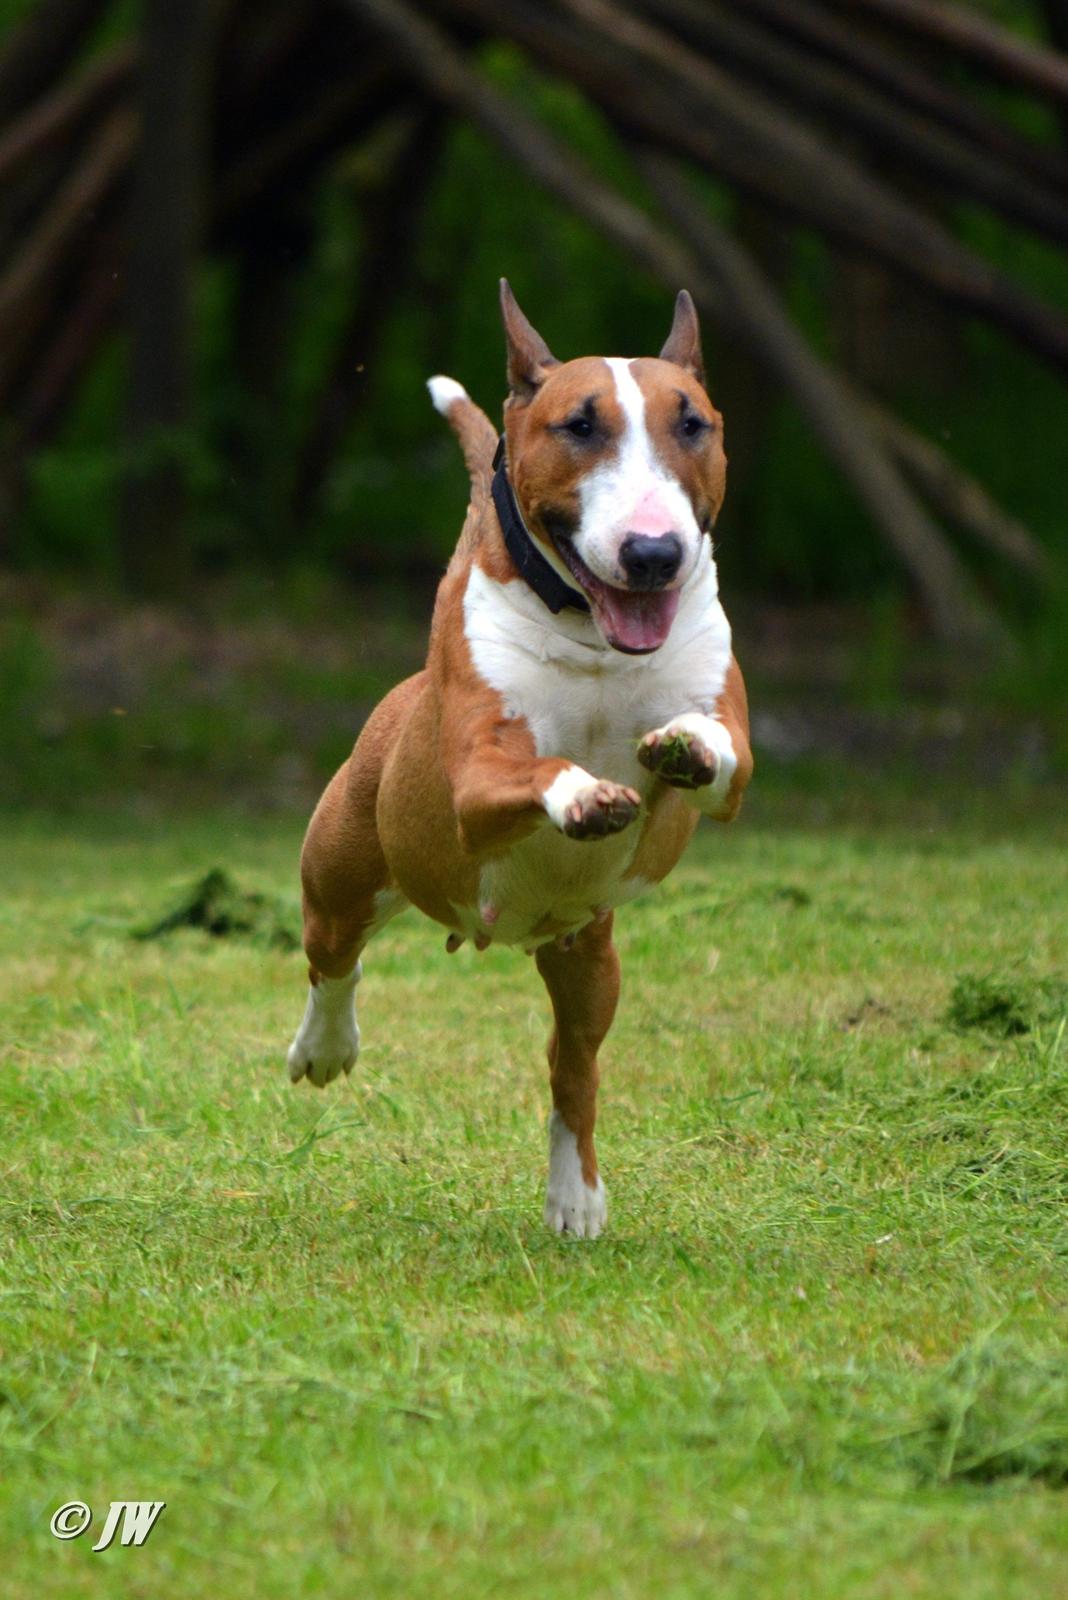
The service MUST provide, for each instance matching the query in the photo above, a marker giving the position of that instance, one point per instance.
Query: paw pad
(602, 809)
(680, 759)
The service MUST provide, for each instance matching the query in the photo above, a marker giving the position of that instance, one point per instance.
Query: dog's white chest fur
(591, 705)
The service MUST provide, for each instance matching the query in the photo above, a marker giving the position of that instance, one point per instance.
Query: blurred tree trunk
(744, 389)
(166, 222)
(393, 203)
(889, 334)
(275, 245)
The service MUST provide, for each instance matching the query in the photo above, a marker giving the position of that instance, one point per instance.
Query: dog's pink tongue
(636, 622)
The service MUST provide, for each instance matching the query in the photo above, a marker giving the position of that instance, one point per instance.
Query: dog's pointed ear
(683, 343)
(529, 357)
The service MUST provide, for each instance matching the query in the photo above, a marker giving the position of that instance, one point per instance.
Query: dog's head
(619, 470)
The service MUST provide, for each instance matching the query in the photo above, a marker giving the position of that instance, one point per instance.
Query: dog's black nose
(650, 560)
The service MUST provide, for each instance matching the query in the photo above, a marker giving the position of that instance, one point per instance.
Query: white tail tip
(445, 392)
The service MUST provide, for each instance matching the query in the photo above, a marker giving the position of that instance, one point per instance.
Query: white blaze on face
(632, 493)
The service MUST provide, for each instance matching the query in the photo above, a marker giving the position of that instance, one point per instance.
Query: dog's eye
(579, 427)
(692, 425)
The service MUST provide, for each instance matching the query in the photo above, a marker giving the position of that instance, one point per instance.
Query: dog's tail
(475, 431)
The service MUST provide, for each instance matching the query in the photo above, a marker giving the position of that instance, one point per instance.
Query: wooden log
(259, 41)
(71, 212)
(40, 48)
(891, 130)
(285, 153)
(67, 355)
(279, 60)
(1056, 15)
(661, 92)
(430, 56)
(823, 33)
(52, 119)
(390, 217)
(975, 39)
(441, 68)
(957, 496)
(290, 154)
(44, 358)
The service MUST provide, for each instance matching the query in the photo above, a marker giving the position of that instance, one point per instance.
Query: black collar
(533, 568)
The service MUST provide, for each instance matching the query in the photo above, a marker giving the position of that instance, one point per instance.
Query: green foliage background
(791, 528)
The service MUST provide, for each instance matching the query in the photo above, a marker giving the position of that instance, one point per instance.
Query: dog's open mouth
(634, 621)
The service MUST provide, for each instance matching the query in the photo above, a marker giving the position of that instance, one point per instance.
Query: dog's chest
(579, 699)
(590, 706)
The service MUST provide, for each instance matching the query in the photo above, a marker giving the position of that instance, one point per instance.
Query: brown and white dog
(580, 709)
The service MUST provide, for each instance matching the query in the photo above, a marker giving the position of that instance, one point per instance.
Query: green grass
(819, 1352)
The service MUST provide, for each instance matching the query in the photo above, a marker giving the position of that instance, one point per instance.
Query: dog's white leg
(328, 1040)
(582, 978)
(571, 1204)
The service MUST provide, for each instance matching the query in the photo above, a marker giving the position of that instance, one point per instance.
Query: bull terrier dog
(579, 711)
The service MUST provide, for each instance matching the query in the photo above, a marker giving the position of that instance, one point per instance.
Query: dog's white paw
(692, 752)
(589, 808)
(328, 1039)
(571, 1204)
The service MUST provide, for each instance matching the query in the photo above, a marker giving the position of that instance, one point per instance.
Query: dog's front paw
(602, 808)
(679, 757)
(585, 807)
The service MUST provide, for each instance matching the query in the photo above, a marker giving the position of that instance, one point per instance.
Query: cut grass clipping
(1006, 1007)
(215, 904)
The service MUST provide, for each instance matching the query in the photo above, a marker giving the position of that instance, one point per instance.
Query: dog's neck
(531, 565)
(569, 638)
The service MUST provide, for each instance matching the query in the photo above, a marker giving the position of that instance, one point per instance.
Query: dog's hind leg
(348, 895)
(583, 984)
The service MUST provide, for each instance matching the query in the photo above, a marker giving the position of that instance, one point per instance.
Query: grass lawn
(820, 1350)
